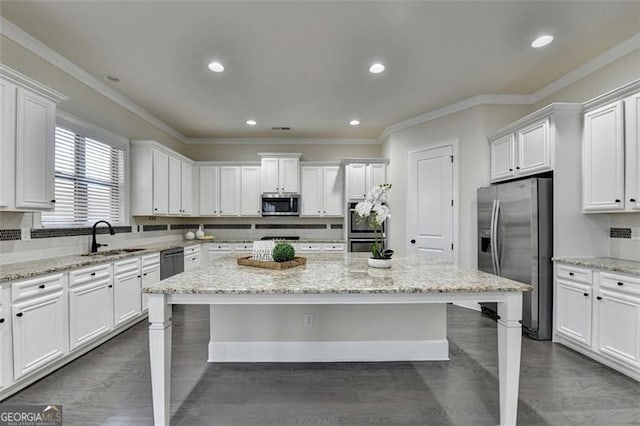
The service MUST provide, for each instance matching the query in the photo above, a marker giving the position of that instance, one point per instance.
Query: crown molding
(22, 80)
(613, 95)
(279, 141)
(21, 37)
(29, 42)
(548, 111)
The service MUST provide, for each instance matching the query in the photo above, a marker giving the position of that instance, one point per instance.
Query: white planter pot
(379, 263)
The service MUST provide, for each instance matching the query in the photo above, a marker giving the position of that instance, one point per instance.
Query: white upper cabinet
(632, 158)
(333, 192)
(161, 181)
(175, 186)
(361, 177)
(311, 193)
(229, 191)
(524, 149)
(186, 194)
(534, 151)
(603, 159)
(280, 173)
(250, 191)
(7, 143)
(27, 142)
(503, 157)
(209, 191)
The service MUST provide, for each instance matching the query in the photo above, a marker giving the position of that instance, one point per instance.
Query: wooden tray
(297, 261)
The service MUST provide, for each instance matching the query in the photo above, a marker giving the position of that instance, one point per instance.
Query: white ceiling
(305, 64)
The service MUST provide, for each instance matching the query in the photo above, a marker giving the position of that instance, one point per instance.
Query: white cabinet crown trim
(615, 94)
(548, 111)
(27, 82)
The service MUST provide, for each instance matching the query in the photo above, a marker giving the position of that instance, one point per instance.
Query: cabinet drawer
(309, 247)
(220, 247)
(86, 275)
(622, 283)
(334, 247)
(191, 250)
(244, 247)
(37, 286)
(150, 260)
(573, 273)
(127, 267)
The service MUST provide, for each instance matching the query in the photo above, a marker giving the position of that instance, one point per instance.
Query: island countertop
(335, 274)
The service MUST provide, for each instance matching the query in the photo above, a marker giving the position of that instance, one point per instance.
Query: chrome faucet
(94, 243)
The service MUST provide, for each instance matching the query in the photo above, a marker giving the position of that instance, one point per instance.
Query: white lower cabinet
(601, 320)
(6, 355)
(150, 275)
(127, 290)
(90, 304)
(40, 323)
(216, 251)
(573, 307)
(191, 257)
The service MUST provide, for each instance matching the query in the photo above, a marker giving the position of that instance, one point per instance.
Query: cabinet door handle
(110, 286)
(412, 241)
(599, 298)
(617, 200)
(571, 274)
(517, 167)
(156, 209)
(19, 314)
(41, 286)
(93, 274)
(632, 200)
(53, 201)
(144, 275)
(620, 283)
(510, 170)
(193, 258)
(585, 294)
(1, 320)
(139, 276)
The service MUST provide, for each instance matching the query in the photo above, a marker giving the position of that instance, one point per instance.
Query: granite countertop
(16, 271)
(335, 273)
(603, 263)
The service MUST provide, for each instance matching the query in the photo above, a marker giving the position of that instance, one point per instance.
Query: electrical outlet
(308, 320)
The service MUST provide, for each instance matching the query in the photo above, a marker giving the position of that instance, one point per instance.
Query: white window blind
(89, 181)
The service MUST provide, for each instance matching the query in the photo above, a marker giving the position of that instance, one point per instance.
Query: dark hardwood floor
(111, 385)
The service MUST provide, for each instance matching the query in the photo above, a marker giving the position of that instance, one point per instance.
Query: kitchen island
(340, 279)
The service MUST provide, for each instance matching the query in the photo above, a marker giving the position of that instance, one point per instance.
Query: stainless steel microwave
(280, 205)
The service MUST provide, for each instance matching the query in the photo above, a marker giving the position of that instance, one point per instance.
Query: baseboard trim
(629, 371)
(330, 351)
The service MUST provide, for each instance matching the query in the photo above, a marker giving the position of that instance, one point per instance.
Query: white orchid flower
(363, 208)
(382, 213)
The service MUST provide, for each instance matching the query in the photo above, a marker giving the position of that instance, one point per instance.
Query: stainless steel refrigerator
(515, 241)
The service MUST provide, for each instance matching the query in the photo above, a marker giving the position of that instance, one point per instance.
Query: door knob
(617, 200)
(413, 241)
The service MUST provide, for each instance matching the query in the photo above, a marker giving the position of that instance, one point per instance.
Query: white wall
(471, 128)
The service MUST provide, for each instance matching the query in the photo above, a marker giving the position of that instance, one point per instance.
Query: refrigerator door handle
(495, 237)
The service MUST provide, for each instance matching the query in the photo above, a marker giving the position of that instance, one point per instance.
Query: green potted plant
(372, 209)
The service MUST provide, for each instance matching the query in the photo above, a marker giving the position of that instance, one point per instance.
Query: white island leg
(509, 348)
(160, 357)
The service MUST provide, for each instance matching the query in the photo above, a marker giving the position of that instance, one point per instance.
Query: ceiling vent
(285, 128)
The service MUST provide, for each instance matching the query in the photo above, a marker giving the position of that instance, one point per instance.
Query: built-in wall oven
(359, 228)
(361, 233)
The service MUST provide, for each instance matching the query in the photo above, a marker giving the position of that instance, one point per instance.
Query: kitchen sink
(115, 252)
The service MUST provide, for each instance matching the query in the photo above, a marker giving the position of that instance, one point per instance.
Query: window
(89, 180)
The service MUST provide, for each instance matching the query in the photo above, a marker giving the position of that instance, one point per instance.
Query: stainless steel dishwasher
(171, 262)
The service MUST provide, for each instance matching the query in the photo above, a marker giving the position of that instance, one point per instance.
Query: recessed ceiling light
(542, 41)
(376, 68)
(216, 67)
(252, 122)
(354, 122)
(112, 78)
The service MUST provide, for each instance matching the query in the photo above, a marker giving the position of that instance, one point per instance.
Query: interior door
(430, 206)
